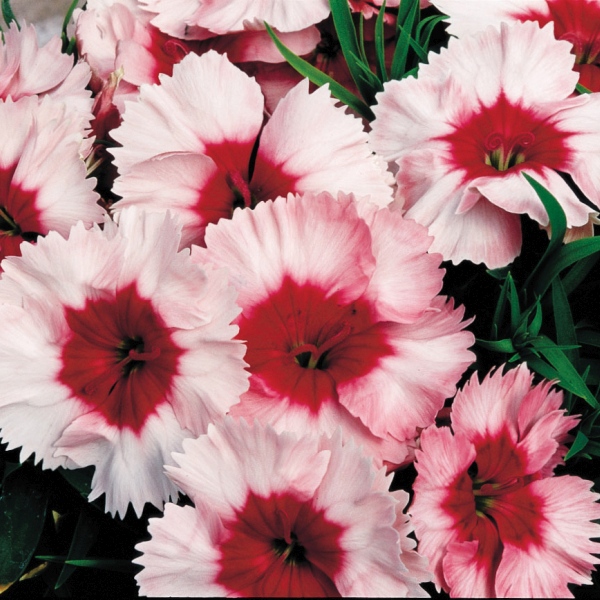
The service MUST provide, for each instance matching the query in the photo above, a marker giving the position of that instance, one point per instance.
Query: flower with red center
(341, 320)
(116, 348)
(201, 150)
(575, 21)
(43, 183)
(487, 511)
(279, 516)
(461, 142)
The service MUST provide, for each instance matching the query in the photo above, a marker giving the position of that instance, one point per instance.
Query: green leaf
(319, 78)
(536, 322)
(589, 337)
(380, 45)
(346, 32)
(579, 443)
(563, 320)
(505, 346)
(22, 515)
(558, 225)
(500, 309)
(426, 27)
(408, 18)
(84, 537)
(513, 300)
(66, 45)
(582, 89)
(80, 479)
(8, 14)
(563, 258)
(106, 564)
(568, 376)
(578, 272)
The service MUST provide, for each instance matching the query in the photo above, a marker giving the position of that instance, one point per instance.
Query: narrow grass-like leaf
(498, 317)
(582, 89)
(408, 17)
(22, 515)
(565, 257)
(536, 322)
(563, 320)
(84, 537)
(578, 272)
(426, 27)
(569, 378)
(513, 300)
(558, 224)
(589, 337)
(8, 15)
(80, 479)
(106, 564)
(66, 45)
(380, 45)
(541, 367)
(505, 346)
(319, 78)
(579, 443)
(346, 32)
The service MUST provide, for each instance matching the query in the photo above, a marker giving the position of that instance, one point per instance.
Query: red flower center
(575, 21)
(19, 216)
(120, 358)
(506, 136)
(303, 342)
(492, 499)
(280, 545)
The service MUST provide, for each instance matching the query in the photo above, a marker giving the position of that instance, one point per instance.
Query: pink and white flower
(115, 348)
(341, 319)
(575, 21)
(43, 183)
(188, 145)
(28, 70)
(277, 515)
(460, 142)
(193, 16)
(487, 511)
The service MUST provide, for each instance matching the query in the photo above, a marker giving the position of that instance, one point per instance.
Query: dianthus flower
(277, 515)
(27, 70)
(115, 348)
(196, 145)
(575, 21)
(460, 141)
(195, 17)
(341, 319)
(487, 511)
(43, 183)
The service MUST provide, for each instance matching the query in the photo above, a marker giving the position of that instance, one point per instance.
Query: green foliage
(518, 324)
(23, 503)
(8, 15)
(412, 40)
(68, 45)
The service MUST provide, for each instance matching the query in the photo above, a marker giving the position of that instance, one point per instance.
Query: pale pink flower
(575, 21)
(189, 146)
(342, 320)
(194, 17)
(460, 141)
(118, 36)
(115, 348)
(278, 515)
(43, 183)
(487, 512)
(28, 70)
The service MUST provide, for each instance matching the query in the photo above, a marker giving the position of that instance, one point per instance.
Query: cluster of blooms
(254, 302)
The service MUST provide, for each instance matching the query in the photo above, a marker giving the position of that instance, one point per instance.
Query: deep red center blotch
(120, 358)
(281, 546)
(503, 137)
(302, 343)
